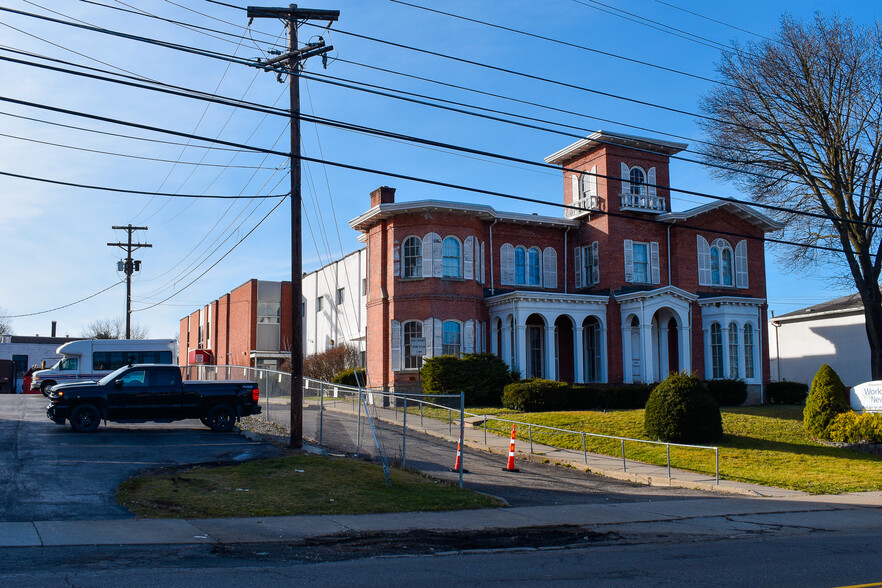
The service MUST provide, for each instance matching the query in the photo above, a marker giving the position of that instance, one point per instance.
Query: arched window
(412, 252)
(716, 348)
(412, 330)
(638, 181)
(733, 350)
(534, 274)
(520, 265)
(721, 263)
(451, 342)
(451, 258)
(749, 372)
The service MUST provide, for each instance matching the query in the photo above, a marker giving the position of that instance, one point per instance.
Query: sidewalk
(722, 516)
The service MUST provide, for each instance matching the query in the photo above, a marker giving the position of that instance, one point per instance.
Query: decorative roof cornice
(604, 138)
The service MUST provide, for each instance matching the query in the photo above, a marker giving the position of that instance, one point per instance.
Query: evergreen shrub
(728, 391)
(851, 427)
(785, 392)
(535, 395)
(682, 410)
(351, 377)
(827, 398)
(481, 376)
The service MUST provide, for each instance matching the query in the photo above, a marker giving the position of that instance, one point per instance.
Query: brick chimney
(382, 195)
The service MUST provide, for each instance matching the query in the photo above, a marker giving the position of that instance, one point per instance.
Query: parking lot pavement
(48, 472)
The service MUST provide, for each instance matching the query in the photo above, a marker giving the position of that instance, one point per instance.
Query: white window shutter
(650, 179)
(653, 263)
(741, 264)
(438, 339)
(549, 267)
(436, 255)
(428, 331)
(595, 264)
(395, 346)
(396, 260)
(468, 258)
(577, 263)
(576, 194)
(469, 336)
(629, 260)
(427, 255)
(483, 272)
(506, 264)
(704, 262)
(626, 179)
(592, 181)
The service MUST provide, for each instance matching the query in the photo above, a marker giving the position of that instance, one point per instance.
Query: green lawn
(292, 485)
(764, 445)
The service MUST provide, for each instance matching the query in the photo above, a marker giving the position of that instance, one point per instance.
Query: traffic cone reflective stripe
(511, 449)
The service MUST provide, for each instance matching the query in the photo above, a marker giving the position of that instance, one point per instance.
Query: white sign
(866, 397)
(417, 346)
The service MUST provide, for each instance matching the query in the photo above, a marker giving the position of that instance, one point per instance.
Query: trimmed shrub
(785, 392)
(535, 395)
(606, 396)
(827, 398)
(351, 377)
(851, 427)
(728, 391)
(481, 376)
(681, 410)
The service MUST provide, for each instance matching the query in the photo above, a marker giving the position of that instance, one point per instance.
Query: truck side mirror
(118, 384)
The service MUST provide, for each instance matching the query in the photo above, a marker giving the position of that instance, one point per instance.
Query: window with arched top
(638, 181)
(520, 264)
(451, 258)
(412, 254)
(534, 269)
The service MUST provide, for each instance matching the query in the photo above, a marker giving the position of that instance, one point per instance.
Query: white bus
(92, 359)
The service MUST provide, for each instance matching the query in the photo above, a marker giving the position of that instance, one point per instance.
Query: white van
(91, 359)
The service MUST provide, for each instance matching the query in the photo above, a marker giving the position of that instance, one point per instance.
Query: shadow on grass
(742, 442)
(788, 412)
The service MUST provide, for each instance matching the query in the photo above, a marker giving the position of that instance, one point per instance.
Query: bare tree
(5, 323)
(113, 328)
(796, 121)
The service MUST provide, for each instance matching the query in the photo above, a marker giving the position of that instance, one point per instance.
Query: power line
(65, 305)
(726, 24)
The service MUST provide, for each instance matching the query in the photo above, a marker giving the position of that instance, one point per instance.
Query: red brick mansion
(619, 289)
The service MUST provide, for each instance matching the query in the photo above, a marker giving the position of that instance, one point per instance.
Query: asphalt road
(48, 472)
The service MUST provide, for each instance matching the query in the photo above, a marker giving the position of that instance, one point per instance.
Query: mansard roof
(739, 209)
(605, 138)
(387, 210)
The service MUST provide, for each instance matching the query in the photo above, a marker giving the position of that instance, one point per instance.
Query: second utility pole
(292, 15)
(129, 268)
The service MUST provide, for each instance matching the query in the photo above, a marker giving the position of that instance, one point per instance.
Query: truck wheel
(221, 418)
(85, 418)
(44, 387)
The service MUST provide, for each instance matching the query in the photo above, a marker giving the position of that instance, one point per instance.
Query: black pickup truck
(140, 393)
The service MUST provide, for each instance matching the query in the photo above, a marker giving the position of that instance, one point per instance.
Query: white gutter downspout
(565, 259)
(492, 288)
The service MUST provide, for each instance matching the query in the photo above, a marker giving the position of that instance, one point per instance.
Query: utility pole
(129, 267)
(293, 16)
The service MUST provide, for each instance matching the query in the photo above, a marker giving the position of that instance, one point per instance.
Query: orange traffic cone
(511, 464)
(458, 464)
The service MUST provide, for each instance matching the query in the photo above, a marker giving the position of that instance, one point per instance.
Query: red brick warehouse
(620, 289)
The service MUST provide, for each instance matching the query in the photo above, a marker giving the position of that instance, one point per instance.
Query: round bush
(681, 410)
(728, 391)
(535, 395)
(827, 398)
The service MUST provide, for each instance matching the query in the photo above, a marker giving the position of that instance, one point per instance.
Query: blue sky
(55, 237)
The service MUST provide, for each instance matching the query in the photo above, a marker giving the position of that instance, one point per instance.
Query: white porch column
(685, 350)
(506, 344)
(549, 372)
(521, 349)
(708, 354)
(578, 355)
(646, 345)
(627, 368)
